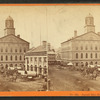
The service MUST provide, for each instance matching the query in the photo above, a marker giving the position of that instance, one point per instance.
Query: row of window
(87, 48)
(11, 58)
(35, 59)
(86, 63)
(86, 55)
(12, 65)
(12, 50)
(35, 69)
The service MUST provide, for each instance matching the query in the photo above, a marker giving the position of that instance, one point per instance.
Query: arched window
(96, 48)
(27, 60)
(45, 70)
(1, 50)
(15, 57)
(6, 50)
(39, 59)
(44, 59)
(76, 64)
(91, 55)
(91, 48)
(1, 58)
(6, 66)
(96, 63)
(15, 65)
(91, 63)
(86, 63)
(31, 59)
(31, 68)
(86, 48)
(11, 65)
(20, 50)
(40, 69)
(27, 67)
(82, 64)
(86, 55)
(11, 50)
(10, 57)
(35, 68)
(20, 65)
(35, 58)
(81, 48)
(24, 57)
(76, 48)
(76, 55)
(81, 55)
(24, 50)
(20, 58)
(6, 57)
(15, 50)
(95, 55)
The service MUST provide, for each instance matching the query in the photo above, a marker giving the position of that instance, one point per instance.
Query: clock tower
(9, 26)
(89, 24)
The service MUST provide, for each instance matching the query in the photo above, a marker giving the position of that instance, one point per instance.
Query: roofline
(15, 36)
(79, 36)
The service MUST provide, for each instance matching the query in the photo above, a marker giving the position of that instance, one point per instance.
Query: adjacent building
(12, 47)
(51, 55)
(84, 49)
(58, 56)
(36, 59)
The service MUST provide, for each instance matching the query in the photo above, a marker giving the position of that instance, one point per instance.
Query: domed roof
(89, 15)
(9, 18)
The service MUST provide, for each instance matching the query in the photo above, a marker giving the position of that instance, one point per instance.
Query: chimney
(18, 36)
(44, 43)
(49, 47)
(75, 33)
(98, 33)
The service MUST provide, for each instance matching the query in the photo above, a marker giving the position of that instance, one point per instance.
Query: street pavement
(6, 85)
(66, 80)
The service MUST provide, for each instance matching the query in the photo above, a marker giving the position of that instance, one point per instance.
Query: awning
(69, 64)
(92, 66)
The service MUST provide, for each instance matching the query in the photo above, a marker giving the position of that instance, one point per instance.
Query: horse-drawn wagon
(90, 72)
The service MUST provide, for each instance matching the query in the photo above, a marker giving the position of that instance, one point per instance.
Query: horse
(12, 74)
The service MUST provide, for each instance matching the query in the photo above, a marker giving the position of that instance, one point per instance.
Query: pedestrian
(45, 86)
(45, 79)
(49, 84)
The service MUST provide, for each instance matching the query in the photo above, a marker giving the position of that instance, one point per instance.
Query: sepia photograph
(50, 48)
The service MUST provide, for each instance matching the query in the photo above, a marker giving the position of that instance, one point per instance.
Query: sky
(54, 24)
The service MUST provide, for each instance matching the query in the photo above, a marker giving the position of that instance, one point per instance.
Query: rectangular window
(35, 59)
(27, 60)
(31, 58)
(44, 59)
(39, 59)
(27, 67)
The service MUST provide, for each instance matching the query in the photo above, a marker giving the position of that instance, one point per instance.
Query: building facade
(36, 60)
(58, 56)
(51, 55)
(83, 50)
(12, 47)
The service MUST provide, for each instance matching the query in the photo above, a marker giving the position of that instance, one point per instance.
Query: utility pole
(47, 47)
(40, 33)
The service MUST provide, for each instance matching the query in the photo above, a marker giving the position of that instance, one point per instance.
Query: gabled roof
(12, 36)
(79, 36)
(40, 50)
(9, 18)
